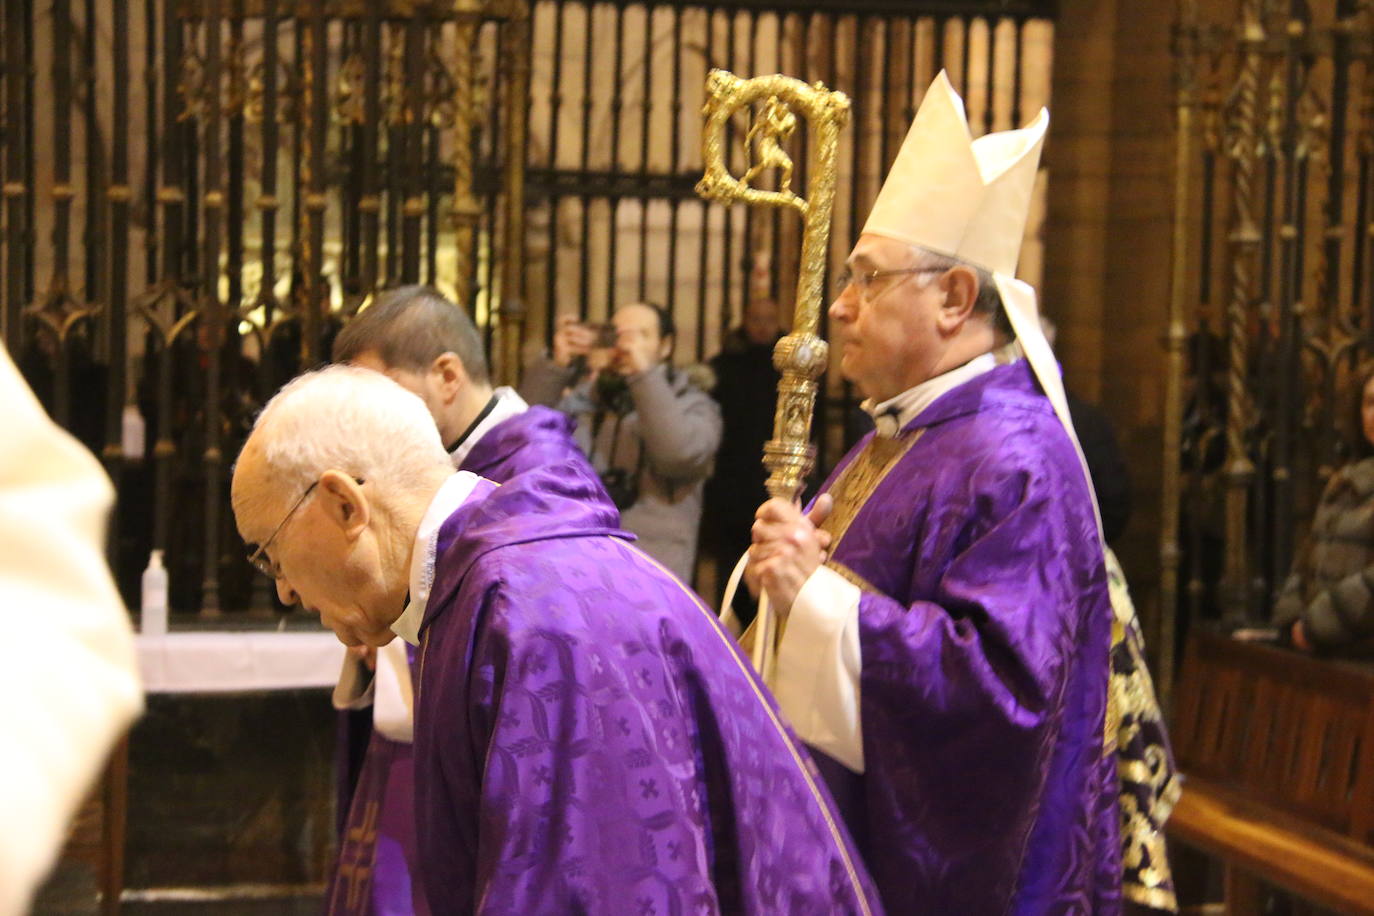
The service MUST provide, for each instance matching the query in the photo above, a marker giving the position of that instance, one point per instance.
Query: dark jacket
(665, 441)
(1331, 587)
(747, 392)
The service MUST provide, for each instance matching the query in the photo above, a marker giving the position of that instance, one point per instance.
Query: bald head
(761, 325)
(332, 483)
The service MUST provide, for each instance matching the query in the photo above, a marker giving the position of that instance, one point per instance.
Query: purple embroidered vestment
(588, 740)
(377, 844)
(984, 631)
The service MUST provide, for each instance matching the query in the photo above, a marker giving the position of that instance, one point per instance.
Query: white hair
(353, 420)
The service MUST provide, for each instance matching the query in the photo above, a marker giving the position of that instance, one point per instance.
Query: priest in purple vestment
(587, 738)
(430, 347)
(946, 619)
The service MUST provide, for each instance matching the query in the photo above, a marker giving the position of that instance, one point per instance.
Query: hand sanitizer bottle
(133, 433)
(154, 618)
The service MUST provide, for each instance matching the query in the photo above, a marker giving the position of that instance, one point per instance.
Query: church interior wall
(1108, 234)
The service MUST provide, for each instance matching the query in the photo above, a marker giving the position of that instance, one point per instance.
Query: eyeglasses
(864, 281)
(259, 558)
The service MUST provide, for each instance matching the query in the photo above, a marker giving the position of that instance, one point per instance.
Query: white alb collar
(451, 495)
(508, 404)
(891, 416)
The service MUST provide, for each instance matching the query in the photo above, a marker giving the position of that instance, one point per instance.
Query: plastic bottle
(154, 619)
(133, 434)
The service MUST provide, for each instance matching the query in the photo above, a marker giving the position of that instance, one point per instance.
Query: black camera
(622, 485)
(605, 336)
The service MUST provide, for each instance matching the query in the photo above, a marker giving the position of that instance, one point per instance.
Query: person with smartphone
(649, 430)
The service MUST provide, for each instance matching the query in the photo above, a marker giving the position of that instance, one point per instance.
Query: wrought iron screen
(1272, 310)
(199, 193)
(615, 126)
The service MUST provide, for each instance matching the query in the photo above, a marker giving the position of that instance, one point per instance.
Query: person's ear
(960, 286)
(447, 376)
(665, 348)
(344, 503)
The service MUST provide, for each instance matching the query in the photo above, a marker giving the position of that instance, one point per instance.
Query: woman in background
(1327, 603)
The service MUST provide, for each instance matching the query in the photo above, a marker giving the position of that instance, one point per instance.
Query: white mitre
(970, 199)
(961, 197)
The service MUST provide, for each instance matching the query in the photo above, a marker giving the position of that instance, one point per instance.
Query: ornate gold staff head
(800, 356)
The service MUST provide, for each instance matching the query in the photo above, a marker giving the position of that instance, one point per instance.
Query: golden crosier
(800, 356)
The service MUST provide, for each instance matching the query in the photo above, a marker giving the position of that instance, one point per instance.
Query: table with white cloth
(210, 661)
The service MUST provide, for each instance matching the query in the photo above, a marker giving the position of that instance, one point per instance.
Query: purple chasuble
(588, 740)
(373, 871)
(984, 628)
(537, 437)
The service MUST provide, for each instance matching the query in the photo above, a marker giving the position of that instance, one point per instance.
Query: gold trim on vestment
(1144, 768)
(860, 478)
(852, 577)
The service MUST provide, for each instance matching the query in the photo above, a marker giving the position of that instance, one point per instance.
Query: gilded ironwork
(464, 209)
(1263, 353)
(515, 72)
(237, 203)
(1175, 336)
(349, 95)
(1242, 146)
(802, 355)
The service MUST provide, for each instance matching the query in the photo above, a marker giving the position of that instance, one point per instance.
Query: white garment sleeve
(816, 680)
(387, 690)
(71, 684)
(357, 684)
(394, 712)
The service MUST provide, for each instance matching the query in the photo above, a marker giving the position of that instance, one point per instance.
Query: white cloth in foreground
(72, 687)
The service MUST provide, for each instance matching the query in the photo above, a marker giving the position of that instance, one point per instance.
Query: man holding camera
(650, 432)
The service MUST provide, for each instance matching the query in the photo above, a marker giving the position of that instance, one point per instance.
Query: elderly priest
(948, 622)
(586, 738)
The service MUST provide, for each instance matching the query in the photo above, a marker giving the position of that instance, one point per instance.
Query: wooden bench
(1277, 750)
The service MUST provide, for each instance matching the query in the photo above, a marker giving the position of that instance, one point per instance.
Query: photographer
(650, 432)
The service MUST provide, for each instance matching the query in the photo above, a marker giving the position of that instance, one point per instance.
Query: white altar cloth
(232, 661)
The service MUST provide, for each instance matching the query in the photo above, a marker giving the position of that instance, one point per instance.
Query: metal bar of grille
(584, 276)
(211, 311)
(395, 150)
(674, 168)
(413, 207)
(236, 93)
(268, 203)
(728, 260)
(553, 271)
(348, 111)
(369, 204)
(646, 110)
(752, 216)
(316, 115)
(617, 110)
(118, 194)
(16, 184)
(150, 143)
(30, 135)
(93, 237)
(53, 308)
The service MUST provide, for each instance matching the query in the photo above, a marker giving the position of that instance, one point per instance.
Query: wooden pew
(1277, 750)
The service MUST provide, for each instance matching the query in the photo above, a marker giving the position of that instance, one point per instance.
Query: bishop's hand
(788, 547)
